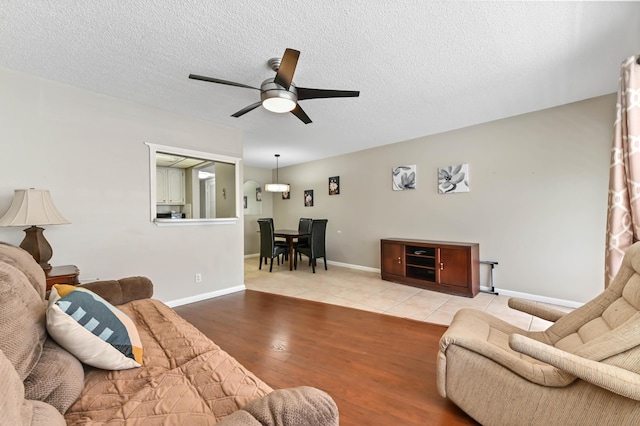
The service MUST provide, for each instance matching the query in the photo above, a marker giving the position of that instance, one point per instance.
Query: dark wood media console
(449, 267)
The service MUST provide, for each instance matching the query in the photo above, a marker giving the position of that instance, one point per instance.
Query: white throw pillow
(93, 330)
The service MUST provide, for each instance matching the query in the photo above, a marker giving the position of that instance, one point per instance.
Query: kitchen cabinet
(170, 186)
(449, 267)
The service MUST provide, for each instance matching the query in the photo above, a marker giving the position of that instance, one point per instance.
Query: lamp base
(37, 245)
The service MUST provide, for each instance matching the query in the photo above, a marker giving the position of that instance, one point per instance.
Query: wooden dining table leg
(290, 241)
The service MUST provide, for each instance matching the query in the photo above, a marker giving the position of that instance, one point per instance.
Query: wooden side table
(65, 274)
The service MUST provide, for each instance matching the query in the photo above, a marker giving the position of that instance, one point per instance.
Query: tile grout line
(402, 301)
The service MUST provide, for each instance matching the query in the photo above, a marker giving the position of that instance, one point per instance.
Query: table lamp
(32, 207)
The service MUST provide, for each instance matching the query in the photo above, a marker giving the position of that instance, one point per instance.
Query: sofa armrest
(615, 379)
(239, 418)
(302, 405)
(118, 292)
(535, 309)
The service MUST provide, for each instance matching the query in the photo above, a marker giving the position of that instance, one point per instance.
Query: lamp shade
(32, 207)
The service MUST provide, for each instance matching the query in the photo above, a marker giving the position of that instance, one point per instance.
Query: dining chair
(316, 248)
(268, 247)
(279, 242)
(304, 225)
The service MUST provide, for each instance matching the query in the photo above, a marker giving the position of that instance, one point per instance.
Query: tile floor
(367, 291)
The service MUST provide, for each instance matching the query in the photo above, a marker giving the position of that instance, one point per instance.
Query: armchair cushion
(57, 378)
(294, 406)
(22, 310)
(18, 410)
(22, 260)
(48, 372)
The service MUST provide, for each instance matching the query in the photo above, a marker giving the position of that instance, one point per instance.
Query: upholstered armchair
(582, 370)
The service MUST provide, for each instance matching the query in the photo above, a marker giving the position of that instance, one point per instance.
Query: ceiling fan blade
(284, 76)
(217, 80)
(245, 110)
(306, 93)
(299, 112)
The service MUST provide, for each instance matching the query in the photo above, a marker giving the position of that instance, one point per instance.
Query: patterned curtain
(623, 215)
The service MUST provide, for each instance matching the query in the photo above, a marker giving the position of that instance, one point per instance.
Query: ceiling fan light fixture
(279, 105)
(276, 98)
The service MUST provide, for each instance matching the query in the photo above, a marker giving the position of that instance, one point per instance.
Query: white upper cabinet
(170, 188)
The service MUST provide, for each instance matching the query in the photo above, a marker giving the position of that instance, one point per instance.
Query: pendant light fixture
(276, 187)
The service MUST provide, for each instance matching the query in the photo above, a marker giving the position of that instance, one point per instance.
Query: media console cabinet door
(454, 264)
(393, 258)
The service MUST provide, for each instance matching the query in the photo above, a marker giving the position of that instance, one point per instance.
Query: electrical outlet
(198, 278)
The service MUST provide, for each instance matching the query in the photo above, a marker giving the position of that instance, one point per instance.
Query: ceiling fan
(279, 94)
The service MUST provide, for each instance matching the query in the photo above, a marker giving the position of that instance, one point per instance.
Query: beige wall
(89, 151)
(537, 204)
(226, 190)
(251, 236)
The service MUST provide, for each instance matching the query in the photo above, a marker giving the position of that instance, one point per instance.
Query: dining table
(290, 235)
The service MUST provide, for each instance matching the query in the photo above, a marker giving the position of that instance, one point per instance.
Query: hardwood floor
(380, 369)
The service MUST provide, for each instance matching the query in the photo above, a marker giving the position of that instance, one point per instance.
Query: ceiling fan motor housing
(276, 98)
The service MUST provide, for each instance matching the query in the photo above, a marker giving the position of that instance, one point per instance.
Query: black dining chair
(304, 225)
(279, 242)
(268, 247)
(316, 248)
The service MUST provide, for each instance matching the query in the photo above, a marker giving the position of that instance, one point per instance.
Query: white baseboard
(503, 292)
(331, 262)
(350, 266)
(536, 298)
(204, 296)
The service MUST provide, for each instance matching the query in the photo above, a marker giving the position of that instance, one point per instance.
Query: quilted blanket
(186, 379)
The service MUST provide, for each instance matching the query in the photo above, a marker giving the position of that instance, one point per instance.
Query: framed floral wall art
(308, 198)
(404, 177)
(334, 185)
(453, 179)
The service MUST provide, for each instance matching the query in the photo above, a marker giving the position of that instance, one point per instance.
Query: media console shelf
(449, 267)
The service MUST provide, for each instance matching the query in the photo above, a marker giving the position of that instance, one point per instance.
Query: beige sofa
(583, 370)
(185, 378)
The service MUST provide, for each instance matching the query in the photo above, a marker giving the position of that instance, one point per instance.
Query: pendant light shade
(277, 187)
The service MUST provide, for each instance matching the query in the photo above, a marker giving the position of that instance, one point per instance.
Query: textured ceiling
(421, 67)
